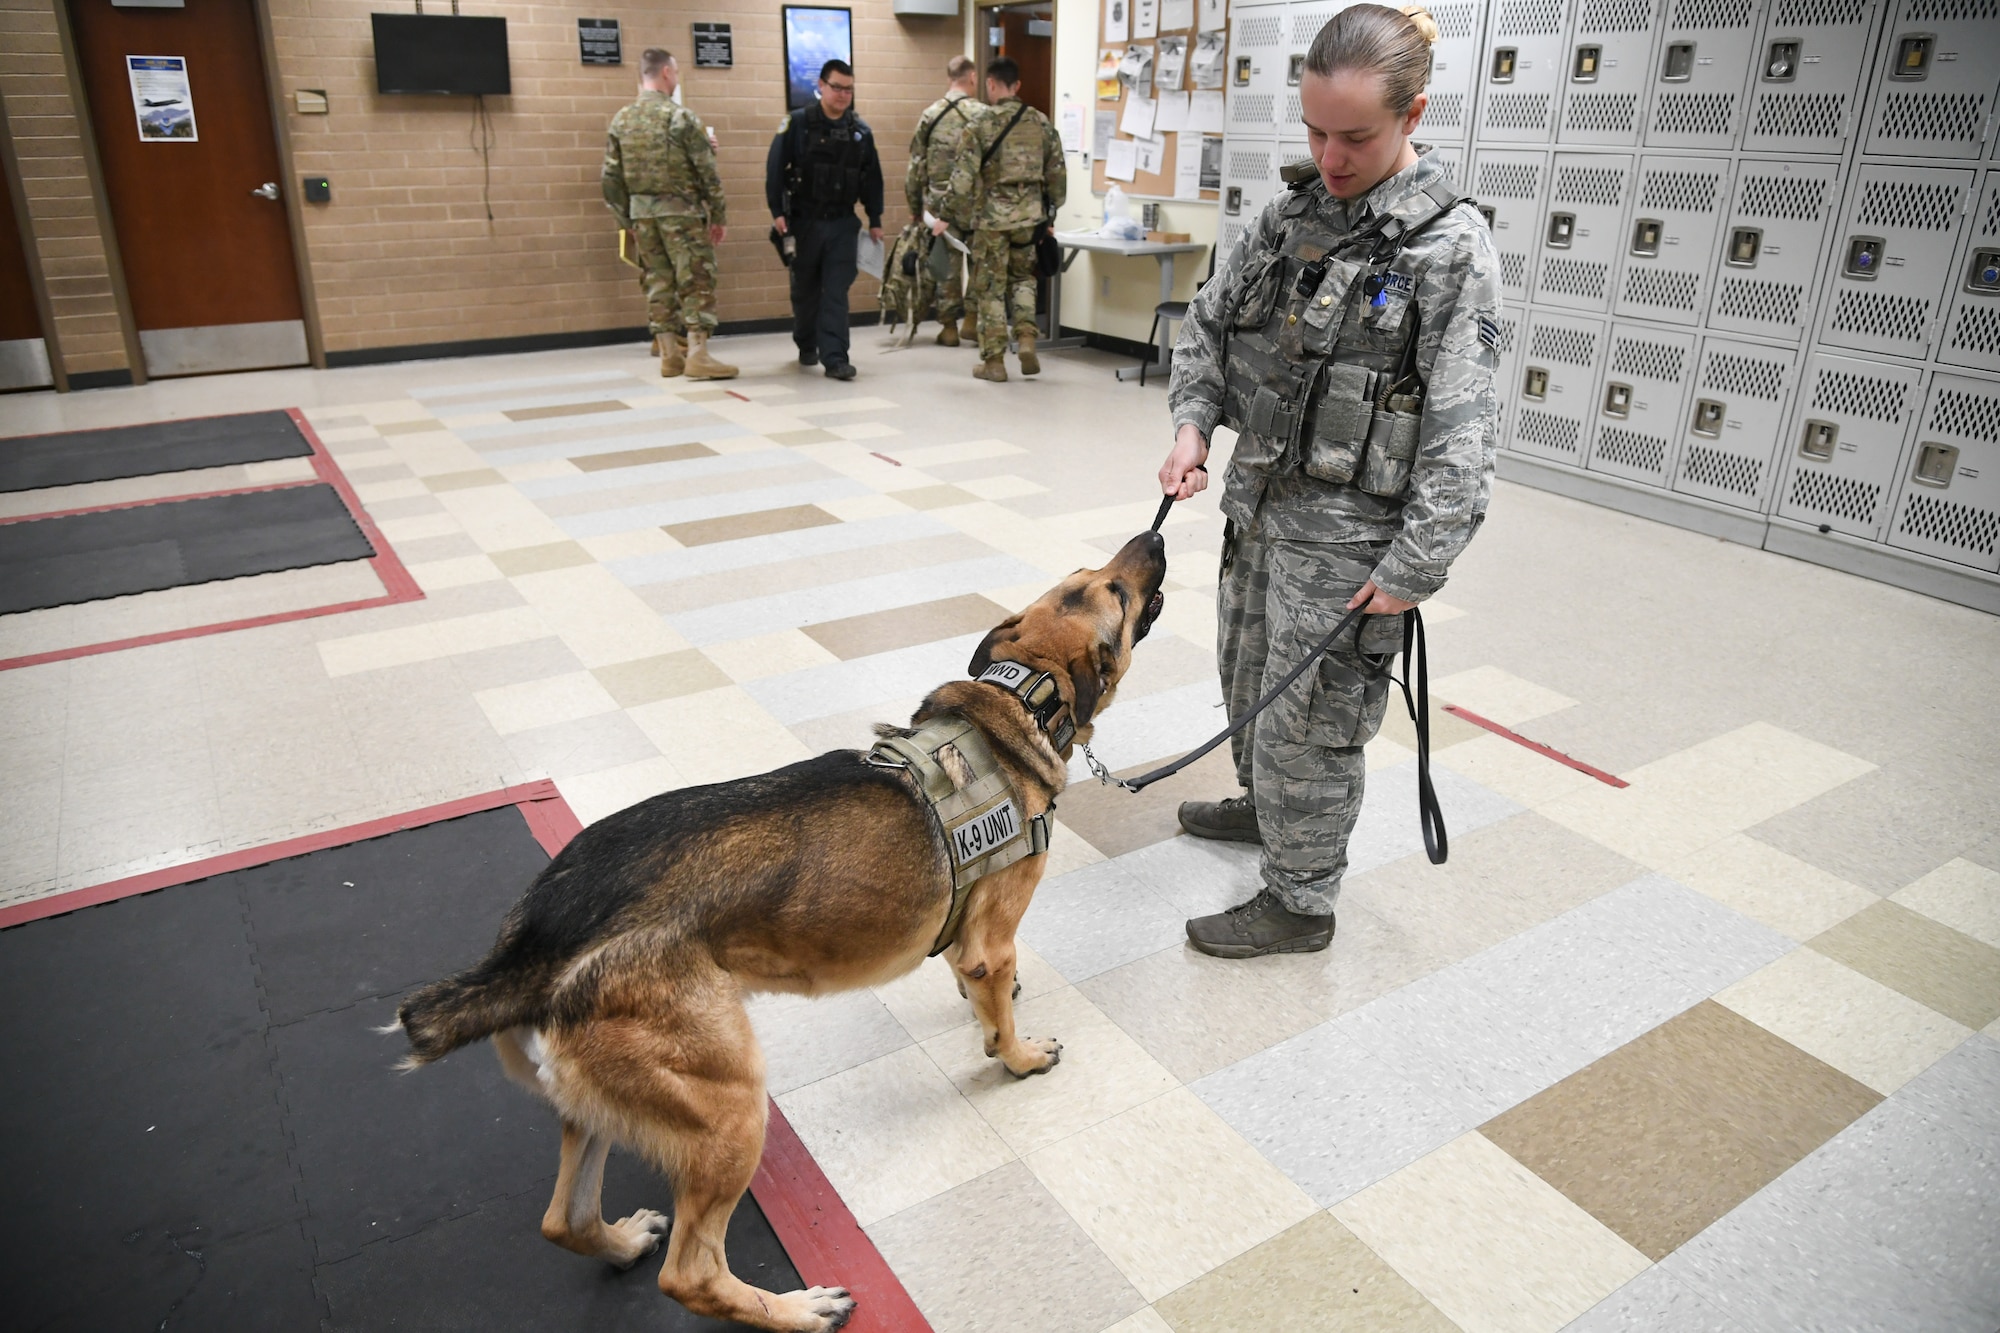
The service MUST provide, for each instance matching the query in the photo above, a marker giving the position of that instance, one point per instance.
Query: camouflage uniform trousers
(1301, 758)
(679, 274)
(1003, 283)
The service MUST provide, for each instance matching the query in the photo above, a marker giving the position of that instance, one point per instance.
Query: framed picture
(814, 34)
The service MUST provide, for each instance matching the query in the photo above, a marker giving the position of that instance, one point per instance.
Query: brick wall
(42, 117)
(405, 254)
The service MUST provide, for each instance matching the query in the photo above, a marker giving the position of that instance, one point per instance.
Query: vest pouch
(1261, 279)
(1326, 308)
(1340, 430)
(1392, 448)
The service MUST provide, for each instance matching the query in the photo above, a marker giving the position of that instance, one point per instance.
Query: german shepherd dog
(615, 989)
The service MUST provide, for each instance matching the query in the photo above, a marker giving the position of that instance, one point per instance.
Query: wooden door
(1036, 55)
(207, 258)
(24, 357)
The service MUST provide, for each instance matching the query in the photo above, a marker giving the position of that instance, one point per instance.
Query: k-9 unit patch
(983, 832)
(1489, 332)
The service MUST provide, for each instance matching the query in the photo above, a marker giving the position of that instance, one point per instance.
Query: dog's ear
(1007, 631)
(1086, 682)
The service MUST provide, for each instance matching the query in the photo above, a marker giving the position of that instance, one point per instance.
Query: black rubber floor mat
(144, 548)
(200, 1130)
(30, 462)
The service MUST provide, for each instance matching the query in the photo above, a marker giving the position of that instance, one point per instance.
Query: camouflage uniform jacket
(935, 150)
(1008, 192)
(1449, 273)
(657, 164)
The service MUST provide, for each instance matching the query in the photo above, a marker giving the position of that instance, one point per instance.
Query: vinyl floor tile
(808, 1038)
(1656, 1301)
(1499, 696)
(536, 559)
(1859, 1026)
(1960, 1092)
(892, 1133)
(1196, 1014)
(591, 796)
(667, 676)
(975, 1257)
(1788, 895)
(717, 735)
(1491, 1244)
(1315, 1276)
(1678, 1126)
(926, 1001)
(1952, 973)
(1145, 1320)
(603, 621)
(906, 626)
(587, 745)
(1098, 918)
(1128, 1184)
(756, 523)
(766, 655)
(1960, 893)
(1117, 821)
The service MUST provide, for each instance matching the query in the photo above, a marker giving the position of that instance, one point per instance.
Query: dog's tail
(455, 1012)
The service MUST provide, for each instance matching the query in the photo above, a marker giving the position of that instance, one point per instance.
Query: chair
(1171, 311)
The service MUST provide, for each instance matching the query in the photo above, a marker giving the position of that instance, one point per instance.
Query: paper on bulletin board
(1176, 15)
(1107, 75)
(1187, 166)
(1172, 61)
(1117, 20)
(1104, 126)
(1151, 154)
(1138, 118)
(161, 98)
(1145, 18)
(1069, 121)
(1211, 162)
(1120, 163)
(1205, 66)
(1205, 112)
(1211, 11)
(1172, 113)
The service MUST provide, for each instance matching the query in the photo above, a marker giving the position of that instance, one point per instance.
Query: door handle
(268, 190)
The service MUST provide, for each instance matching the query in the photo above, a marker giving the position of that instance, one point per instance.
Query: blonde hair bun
(1420, 18)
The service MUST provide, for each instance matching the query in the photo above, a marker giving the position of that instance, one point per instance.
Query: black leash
(1416, 667)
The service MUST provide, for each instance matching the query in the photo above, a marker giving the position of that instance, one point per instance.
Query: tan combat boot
(702, 366)
(968, 328)
(656, 344)
(673, 355)
(1025, 344)
(993, 368)
(948, 335)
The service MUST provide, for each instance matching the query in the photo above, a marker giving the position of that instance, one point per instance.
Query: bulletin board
(1151, 27)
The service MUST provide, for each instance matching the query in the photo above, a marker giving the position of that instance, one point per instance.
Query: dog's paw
(832, 1305)
(1038, 1056)
(640, 1235)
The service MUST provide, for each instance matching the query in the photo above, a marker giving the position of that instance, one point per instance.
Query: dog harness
(982, 822)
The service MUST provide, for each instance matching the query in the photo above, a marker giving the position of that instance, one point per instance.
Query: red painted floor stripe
(819, 1234)
(1608, 779)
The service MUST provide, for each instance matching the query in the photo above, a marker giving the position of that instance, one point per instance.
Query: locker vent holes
(1882, 315)
(1694, 113)
(1908, 204)
(1799, 115)
(1513, 268)
(1572, 347)
(1953, 11)
(1760, 302)
(1253, 108)
(1806, 13)
(1855, 395)
(1454, 22)
(1446, 111)
(1989, 224)
(1517, 111)
(1245, 163)
(1931, 518)
(1295, 110)
(1601, 113)
(1726, 372)
(1574, 277)
(1680, 191)
(1973, 416)
(1306, 26)
(1946, 117)
(1615, 16)
(1722, 472)
(1547, 430)
(1792, 198)
(1507, 328)
(1660, 362)
(1630, 449)
(1713, 13)
(1529, 18)
(1604, 186)
(1662, 287)
(1509, 180)
(1264, 30)
(1977, 330)
(1835, 496)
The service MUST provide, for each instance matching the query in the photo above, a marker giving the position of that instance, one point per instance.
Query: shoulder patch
(1489, 331)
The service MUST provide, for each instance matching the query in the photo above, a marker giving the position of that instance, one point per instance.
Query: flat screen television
(440, 53)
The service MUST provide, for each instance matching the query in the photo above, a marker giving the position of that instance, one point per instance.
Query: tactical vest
(826, 164)
(1319, 349)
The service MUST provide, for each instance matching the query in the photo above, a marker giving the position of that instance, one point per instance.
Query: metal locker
(1255, 73)
(1505, 388)
(1636, 412)
(1553, 387)
(1934, 83)
(1771, 244)
(1454, 61)
(1523, 73)
(1609, 67)
(1729, 430)
(1698, 74)
(1301, 26)
(1510, 185)
(1583, 230)
(1249, 179)
(1670, 239)
(1891, 257)
(1805, 75)
(1972, 329)
(1847, 434)
(1950, 501)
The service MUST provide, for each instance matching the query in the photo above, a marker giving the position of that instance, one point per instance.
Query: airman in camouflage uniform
(1010, 177)
(1272, 345)
(661, 183)
(934, 152)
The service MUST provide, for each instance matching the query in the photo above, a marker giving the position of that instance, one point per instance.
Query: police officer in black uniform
(821, 165)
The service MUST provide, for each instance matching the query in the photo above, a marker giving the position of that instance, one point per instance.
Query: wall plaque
(597, 42)
(714, 48)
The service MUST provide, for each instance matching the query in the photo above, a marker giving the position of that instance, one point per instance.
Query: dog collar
(1039, 694)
